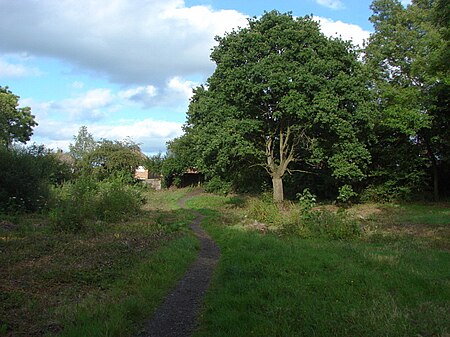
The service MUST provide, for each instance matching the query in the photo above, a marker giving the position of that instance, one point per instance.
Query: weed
(86, 200)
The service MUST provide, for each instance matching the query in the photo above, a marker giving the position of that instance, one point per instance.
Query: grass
(100, 282)
(268, 285)
(107, 280)
(427, 223)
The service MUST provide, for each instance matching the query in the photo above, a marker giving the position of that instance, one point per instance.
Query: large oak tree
(282, 92)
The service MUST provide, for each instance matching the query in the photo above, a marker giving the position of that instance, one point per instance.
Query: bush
(326, 224)
(117, 199)
(86, 200)
(263, 209)
(74, 204)
(26, 176)
(303, 219)
(387, 192)
(346, 194)
(217, 185)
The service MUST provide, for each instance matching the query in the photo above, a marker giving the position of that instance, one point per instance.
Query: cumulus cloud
(92, 105)
(131, 42)
(151, 134)
(100, 110)
(333, 4)
(175, 94)
(8, 69)
(344, 30)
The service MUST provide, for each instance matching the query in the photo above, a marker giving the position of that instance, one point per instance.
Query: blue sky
(126, 68)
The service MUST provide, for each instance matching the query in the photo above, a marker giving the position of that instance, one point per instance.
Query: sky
(126, 68)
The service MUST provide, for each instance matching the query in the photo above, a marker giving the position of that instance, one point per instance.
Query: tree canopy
(113, 157)
(16, 124)
(84, 143)
(282, 95)
(408, 55)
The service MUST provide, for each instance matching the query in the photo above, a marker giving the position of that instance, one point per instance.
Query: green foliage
(406, 55)
(16, 124)
(85, 200)
(305, 219)
(26, 175)
(117, 199)
(74, 204)
(112, 157)
(84, 144)
(325, 224)
(282, 95)
(155, 164)
(346, 193)
(306, 200)
(217, 185)
(388, 191)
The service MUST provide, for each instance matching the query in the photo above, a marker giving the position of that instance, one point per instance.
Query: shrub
(74, 204)
(86, 200)
(303, 219)
(263, 209)
(217, 185)
(346, 193)
(327, 224)
(26, 176)
(387, 192)
(117, 199)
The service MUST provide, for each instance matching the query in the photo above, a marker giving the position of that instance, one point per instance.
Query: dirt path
(177, 315)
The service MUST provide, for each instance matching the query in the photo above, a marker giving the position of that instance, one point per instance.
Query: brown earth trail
(177, 315)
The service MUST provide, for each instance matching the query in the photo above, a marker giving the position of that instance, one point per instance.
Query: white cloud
(151, 134)
(405, 2)
(333, 4)
(183, 87)
(175, 94)
(8, 69)
(89, 106)
(131, 42)
(139, 93)
(344, 30)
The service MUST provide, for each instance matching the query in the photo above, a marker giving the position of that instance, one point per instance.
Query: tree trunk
(435, 181)
(435, 170)
(278, 195)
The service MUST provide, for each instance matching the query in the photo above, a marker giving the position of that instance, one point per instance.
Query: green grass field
(381, 285)
(393, 280)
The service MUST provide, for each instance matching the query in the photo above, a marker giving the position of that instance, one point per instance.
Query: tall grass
(86, 200)
(303, 219)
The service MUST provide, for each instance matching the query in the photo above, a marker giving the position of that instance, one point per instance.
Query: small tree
(113, 157)
(84, 144)
(16, 124)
